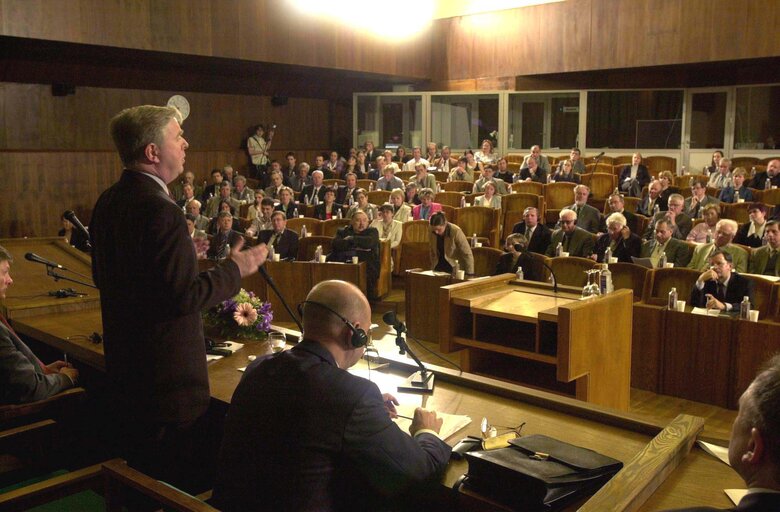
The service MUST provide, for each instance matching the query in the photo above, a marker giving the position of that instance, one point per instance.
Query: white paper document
(716, 451)
(451, 425)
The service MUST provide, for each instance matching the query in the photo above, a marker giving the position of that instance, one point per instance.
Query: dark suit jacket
(642, 176)
(645, 209)
(729, 195)
(738, 287)
(346, 453)
(217, 246)
(342, 197)
(742, 236)
(588, 217)
(286, 245)
(506, 266)
(581, 243)
(539, 177)
(308, 192)
(21, 376)
(151, 296)
(754, 502)
(759, 260)
(759, 180)
(290, 213)
(623, 250)
(364, 245)
(540, 241)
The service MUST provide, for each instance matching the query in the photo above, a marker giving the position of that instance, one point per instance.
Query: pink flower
(245, 314)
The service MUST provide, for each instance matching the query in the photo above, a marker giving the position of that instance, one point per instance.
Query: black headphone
(359, 337)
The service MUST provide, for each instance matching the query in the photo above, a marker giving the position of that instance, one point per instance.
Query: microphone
(390, 319)
(71, 217)
(418, 382)
(264, 273)
(555, 279)
(31, 256)
(600, 155)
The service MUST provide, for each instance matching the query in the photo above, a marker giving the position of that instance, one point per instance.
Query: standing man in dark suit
(346, 453)
(719, 287)
(537, 234)
(283, 240)
(754, 447)
(151, 296)
(633, 177)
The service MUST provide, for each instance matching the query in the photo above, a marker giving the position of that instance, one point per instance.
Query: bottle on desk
(744, 308)
(607, 254)
(662, 260)
(558, 249)
(474, 240)
(455, 269)
(605, 280)
(303, 231)
(318, 254)
(519, 274)
(271, 252)
(672, 299)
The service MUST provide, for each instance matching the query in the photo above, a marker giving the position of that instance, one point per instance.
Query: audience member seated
(573, 239)
(621, 241)
(432, 154)
(588, 218)
(772, 174)
(422, 178)
(328, 208)
(177, 189)
(277, 183)
(652, 201)
(617, 204)
(224, 238)
(541, 161)
(765, 260)
(224, 206)
(633, 177)
(490, 199)
(23, 377)
(387, 227)
(460, 172)
(347, 194)
(287, 205)
(314, 193)
(446, 162)
(699, 198)
(290, 170)
(401, 157)
(301, 179)
(187, 195)
(362, 205)
(725, 230)
(351, 167)
(532, 172)
(677, 252)
(472, 164)
(242, 193)
(213, 206)
(427, 207)
(503, 172)
(722, 178)
(736, 190)
(192, 229)
(680, 223)
(411, 197)
(666, 178)
(575, 156)
(389, 181)
(449, 245)
(346, 453)
(537, 234)
(73, 236)
(516, 256)
(284, 241)
(361, 240)
(319, 165)
(402, 212)
(565, 172)
(372, 152)
(261, 219)
(417, 159)
(489, 175)
(362, 165)
(719, 286)
(713, 167)
(212, 189)
(230, 174)
(703, 231)
(751, 233)
(486, 156)
(201, 221)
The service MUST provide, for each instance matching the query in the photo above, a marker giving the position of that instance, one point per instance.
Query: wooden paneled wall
(257, 30)
(56, 153)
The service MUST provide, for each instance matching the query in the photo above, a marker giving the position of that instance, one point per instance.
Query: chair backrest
(366, 184)
(441, 176)
(570, 270)
(601, 184)
(413, 251)
(313, 226)
(458, 186)
(405, 175)
(415, 231)
(598, 167)
(450, 198)
(480, 220)
(735, 211)
(663, 279)
(771, 196)
(558, 195)
(334, 182)
(758, 167)
(744, 161)
(307, 246)
(378, 197)
(515, 157)
(449, 212)
(763, 291)
(529, 187)
(622, 160)
(485, 260)
(656, 164)
(630, 276)
(764, 161)
(243, 210)
(331, 226)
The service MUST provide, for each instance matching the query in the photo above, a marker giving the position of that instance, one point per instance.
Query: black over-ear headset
(359, 337)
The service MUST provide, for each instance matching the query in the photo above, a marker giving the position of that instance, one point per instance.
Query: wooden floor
(718, 420)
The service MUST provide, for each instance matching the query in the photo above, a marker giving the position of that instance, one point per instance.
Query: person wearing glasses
(573, 239)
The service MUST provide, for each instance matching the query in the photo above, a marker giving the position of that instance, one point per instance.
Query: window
(390, 121)
(548, 119)
(757, 120)
(464, 121)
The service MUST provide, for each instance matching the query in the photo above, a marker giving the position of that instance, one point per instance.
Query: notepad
(451, 425)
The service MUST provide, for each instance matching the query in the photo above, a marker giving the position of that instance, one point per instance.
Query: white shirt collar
(157, 179)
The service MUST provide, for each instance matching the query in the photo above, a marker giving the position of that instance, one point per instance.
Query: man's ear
(151, 152)
(756, 449)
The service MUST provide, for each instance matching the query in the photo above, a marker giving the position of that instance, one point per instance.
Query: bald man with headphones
(304, 434)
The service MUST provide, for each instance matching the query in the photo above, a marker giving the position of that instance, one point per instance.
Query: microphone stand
(57, 276)
(264, 273)
(419, 382)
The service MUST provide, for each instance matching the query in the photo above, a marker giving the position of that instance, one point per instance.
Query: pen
(404, 417)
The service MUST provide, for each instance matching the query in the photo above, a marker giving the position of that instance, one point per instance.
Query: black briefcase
(537, 473)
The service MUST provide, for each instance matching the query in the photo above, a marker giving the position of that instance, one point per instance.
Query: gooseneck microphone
(31, 256)
(264, 273)
(552, 274)
(70, 215)
(418, 382)
(390, 319)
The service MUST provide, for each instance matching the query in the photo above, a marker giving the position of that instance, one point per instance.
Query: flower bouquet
(244, 316)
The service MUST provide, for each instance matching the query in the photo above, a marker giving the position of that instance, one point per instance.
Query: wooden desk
(551, 338)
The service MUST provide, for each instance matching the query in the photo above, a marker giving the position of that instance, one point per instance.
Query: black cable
(434, 353)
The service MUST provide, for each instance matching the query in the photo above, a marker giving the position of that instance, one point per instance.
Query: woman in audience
(350, 166)
(362, 168)
(516, 255)
(737, 189)
(400, 155)
(666, 178)
(254, 208)
(401, 211)
(363, 205)
(327, 209)
(490, 198)
(472, 165)
(461, 173)
(715, 163)
(286, 203)
(72, 235)
(565, 173)
(704, 232)
(423, 179)
(411, 194)
(486, 156)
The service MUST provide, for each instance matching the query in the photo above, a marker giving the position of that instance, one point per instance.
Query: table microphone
(31, 256)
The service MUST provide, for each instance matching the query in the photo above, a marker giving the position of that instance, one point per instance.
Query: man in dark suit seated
(23, 378)
(358, 239)
(573, 239)
(772, 174)
(225, 237)
(652, 200)
(348, 190)
(754, 447)
(677, 252)
(719, 287)
(283, 241)
(619, 238)
(516, 256)
(633, 177)
(537, 234)
(699, 198)
(618, 205)
(304, 434)
(314, 193)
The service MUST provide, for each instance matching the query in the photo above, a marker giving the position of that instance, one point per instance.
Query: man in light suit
(387, 227)
(23, 378)
(284, 241)
(152, 296)
(677, 251)
(725, 230)
(573, 239)
(766, 260)
(588, 218)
